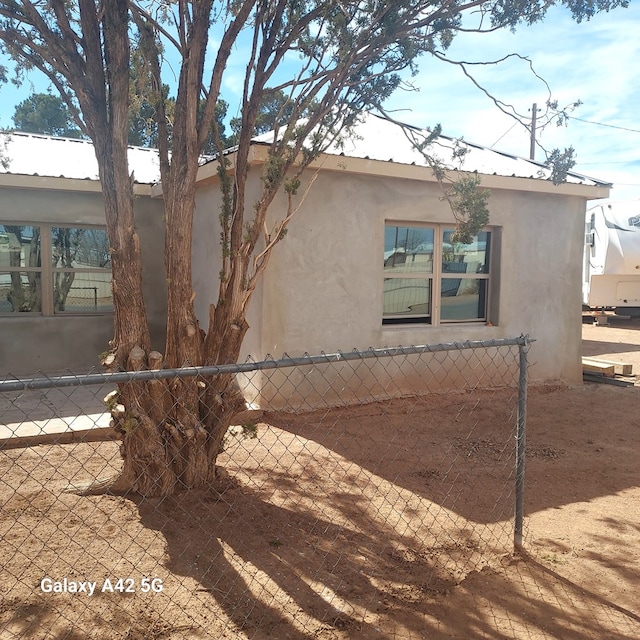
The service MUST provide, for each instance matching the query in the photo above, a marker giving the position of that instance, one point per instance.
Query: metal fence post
(521, 444)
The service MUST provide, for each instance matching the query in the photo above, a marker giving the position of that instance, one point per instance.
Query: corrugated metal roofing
(374, 138)
(38, 155)
(378, 139)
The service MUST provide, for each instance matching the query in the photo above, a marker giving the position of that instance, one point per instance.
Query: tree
(351, 57)
(45, 113)
(276, 108)
(217, 130)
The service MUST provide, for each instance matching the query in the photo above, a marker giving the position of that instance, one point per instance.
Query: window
(54, 270)
(430, 279)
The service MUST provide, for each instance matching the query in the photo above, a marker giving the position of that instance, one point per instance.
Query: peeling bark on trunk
(172, 430)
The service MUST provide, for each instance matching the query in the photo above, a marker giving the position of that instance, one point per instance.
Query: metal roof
(33, 154)
(373, 138)
(376, 138)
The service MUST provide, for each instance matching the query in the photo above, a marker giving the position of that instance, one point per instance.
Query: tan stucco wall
(207, 264)
(323, 288)
(30, 342)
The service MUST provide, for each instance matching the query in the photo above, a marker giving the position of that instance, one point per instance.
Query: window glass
(19, 246)
(406, 298)
(456, 290)
(465, 258)
(463, 299)
(80, 248)
(20, 292)
(76, 278)
(82, 292)
(408, 249)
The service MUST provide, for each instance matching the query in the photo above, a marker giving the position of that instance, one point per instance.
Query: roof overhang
(258, 154)
(21, 181)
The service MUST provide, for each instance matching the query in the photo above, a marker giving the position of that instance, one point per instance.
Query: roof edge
(81, 185)
(365, 166)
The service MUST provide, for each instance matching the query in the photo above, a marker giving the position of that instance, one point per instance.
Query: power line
(505, 133)
(606, 163)
(602, 124)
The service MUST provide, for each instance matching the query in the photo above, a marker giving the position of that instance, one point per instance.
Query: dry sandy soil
(388, 520)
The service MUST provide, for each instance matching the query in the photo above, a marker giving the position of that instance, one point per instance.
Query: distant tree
(217, 129)
(143, 117)
(47, 114)
(275, 111)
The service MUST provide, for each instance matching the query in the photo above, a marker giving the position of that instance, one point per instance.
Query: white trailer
(611, 270)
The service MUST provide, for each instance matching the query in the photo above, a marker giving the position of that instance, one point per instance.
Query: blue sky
(595, 62)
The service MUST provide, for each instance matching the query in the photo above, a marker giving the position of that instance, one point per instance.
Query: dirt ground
(388, 520)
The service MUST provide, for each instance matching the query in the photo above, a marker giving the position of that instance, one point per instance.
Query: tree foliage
(47, 114)
(275, 109)
(351, 55)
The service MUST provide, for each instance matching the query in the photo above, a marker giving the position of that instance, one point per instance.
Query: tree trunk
(173, 431)
(61, 288)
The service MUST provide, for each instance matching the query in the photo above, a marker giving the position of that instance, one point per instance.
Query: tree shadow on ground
(456, 450)
(279, 552)
(461, 455)
(282, 573)
(528, 599)
(278, 573)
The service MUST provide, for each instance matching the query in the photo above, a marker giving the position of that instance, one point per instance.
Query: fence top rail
(71, 380)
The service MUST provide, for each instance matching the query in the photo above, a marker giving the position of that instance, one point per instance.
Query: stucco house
(55, 299)
(368, 260)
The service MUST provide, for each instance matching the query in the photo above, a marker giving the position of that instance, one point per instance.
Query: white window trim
(437, 276)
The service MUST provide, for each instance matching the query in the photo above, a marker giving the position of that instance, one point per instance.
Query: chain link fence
(358, 491)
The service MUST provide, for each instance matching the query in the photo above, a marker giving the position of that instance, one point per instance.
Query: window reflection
(463, 299)
(79, 292)
(20, 262)
(20, 292)
(408, 249)
(80, 248)
(406, 298)
(76, 277)
(19, 246)
(466, 258)
(430, 279)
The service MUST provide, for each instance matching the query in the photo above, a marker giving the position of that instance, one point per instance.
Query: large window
(52, 270)
(430, 279)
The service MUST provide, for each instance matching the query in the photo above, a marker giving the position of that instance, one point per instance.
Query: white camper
(611, 270)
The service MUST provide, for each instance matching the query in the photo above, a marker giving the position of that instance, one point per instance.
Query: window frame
(437, 276)
(47, 270)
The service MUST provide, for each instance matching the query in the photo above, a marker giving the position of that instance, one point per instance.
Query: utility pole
(534, 117)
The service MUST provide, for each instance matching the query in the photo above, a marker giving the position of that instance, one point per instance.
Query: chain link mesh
(350, 506)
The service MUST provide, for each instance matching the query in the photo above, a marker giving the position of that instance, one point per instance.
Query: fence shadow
(291, 574)
(455, 450)
(294, 574)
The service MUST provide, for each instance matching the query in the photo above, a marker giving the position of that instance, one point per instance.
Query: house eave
(208, 174)
(22, 181)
